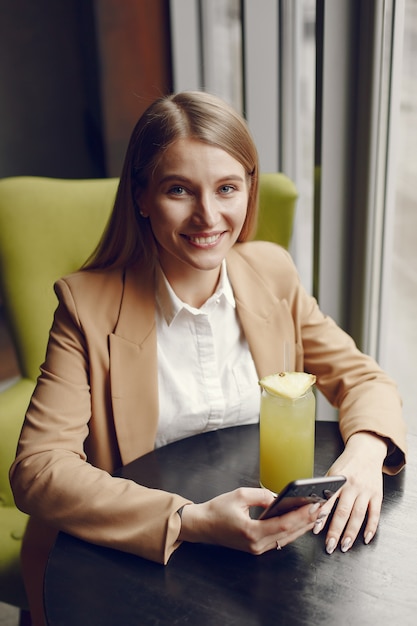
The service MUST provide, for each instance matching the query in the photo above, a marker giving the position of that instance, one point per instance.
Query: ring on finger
(278, 546)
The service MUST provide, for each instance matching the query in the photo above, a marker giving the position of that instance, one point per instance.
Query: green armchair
(48, 228)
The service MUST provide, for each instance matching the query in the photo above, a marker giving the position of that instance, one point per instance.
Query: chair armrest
(14, 401)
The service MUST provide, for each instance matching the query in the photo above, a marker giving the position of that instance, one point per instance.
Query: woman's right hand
(225, 521)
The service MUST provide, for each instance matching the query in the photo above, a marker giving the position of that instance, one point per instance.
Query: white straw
(287, 360)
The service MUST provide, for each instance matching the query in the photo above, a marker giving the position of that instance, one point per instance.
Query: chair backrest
(49, 227)
(277, 200)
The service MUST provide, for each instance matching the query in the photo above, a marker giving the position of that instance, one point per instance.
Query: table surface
(212, 586)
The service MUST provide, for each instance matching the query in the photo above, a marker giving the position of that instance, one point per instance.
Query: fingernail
(330, 545)
(368, 537)
(317, 526)
(346, 543)
(314, 507)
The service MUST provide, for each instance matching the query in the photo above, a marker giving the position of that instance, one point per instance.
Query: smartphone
(301, 492)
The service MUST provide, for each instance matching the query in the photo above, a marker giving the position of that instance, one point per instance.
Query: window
(398, 340)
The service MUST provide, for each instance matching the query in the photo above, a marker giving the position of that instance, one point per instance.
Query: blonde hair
(128, 236)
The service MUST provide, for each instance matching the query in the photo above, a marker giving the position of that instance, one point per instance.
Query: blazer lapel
(266, 320)
(133, 367)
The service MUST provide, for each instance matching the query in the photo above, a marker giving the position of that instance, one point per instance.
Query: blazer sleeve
(366, 397)
(53, 478)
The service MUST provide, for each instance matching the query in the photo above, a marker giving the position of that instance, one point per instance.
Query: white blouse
(206, 375)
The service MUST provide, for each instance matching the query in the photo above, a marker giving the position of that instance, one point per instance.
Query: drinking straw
(287, 359)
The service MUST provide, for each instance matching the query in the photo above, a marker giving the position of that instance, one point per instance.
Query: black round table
(206, 585)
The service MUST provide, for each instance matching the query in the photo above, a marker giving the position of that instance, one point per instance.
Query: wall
(50, 120)
(74, 77)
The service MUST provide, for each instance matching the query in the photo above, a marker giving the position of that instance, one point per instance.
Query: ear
(140, 201)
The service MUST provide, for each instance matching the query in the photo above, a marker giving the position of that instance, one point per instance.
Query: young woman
(164, 334)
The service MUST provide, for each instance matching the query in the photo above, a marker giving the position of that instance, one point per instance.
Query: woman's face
(196, 202)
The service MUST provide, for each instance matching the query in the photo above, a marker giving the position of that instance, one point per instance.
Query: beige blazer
(96, 403)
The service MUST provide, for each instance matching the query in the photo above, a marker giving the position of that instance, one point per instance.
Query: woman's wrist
(370, 443)
(187, 523)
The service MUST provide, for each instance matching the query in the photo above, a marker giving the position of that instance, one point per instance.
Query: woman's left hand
(361, 496)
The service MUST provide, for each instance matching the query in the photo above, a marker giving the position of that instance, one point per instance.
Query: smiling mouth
(204, 240)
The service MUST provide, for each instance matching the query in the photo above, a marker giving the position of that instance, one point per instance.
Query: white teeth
(202, 240)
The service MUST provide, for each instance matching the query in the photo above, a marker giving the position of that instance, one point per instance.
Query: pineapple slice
(288, 384)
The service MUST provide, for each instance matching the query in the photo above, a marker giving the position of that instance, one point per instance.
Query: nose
(206, 209)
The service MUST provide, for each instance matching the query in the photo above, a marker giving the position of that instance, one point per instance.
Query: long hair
(195, 115)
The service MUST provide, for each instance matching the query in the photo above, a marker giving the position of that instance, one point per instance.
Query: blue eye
(177, 190)
(226, 189)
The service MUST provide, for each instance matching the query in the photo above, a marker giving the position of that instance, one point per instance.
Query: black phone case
(301, 492)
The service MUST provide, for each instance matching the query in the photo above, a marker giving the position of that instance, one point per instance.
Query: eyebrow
(185, 179)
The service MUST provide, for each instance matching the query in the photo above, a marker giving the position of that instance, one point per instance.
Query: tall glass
(287, 428)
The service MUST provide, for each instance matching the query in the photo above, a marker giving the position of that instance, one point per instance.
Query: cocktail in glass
(287, 429)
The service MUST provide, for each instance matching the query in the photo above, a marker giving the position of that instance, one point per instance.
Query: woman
(164, 334)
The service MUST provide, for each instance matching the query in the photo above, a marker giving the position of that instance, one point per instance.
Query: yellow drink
(286, 439)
